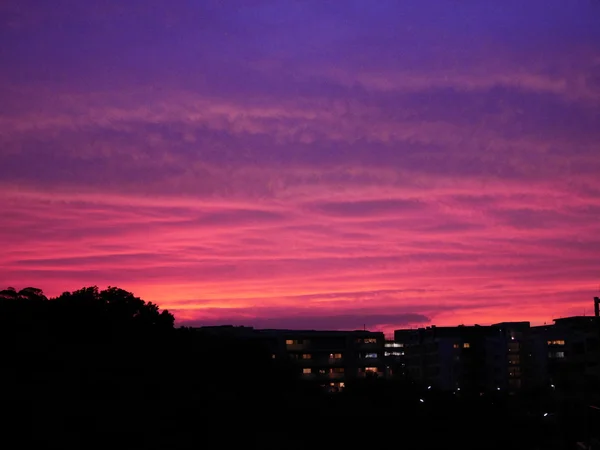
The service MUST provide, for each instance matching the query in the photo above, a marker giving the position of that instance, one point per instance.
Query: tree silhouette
(28, 293)
(112, 310)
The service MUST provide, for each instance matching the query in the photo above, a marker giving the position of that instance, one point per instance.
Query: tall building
(509, 357)
(567, 353)
(395, 359)
(449, 358)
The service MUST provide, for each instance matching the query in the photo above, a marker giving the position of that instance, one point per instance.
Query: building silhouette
(506, 356)
(327, 358)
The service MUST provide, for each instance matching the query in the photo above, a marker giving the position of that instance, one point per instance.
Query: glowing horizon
(310, 165)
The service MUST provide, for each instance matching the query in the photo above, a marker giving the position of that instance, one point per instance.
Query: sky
(305, 164)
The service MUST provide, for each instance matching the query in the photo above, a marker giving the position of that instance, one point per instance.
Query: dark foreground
(105, 370)
(180, 393)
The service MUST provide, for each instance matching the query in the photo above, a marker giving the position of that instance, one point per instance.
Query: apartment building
(509, 357)
(449, 358)
(330, 358)
(395, 359)
(568, 352)
(506, 356)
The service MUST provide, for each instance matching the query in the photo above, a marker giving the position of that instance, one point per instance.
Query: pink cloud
(249, 185)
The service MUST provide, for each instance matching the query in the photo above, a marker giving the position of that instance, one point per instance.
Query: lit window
(556, 355)
(370, 341)
(393, 344)
(307, 370)
(306, 356)
(370, 369)
(289, 342)
(556, 342)
(456, 346)
(466, 345)
(370, 355)
(335, 356)
(273, 356)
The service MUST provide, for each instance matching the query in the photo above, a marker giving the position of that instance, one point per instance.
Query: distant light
(421, 400)
(545, 414)
(458, 389)
(428, 387)
(552, 386)
(498, 388)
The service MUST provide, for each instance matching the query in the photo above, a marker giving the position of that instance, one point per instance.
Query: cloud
(361, 209)
(283, 163)
(320, 322)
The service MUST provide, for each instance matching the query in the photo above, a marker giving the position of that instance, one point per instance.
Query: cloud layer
(305, 165)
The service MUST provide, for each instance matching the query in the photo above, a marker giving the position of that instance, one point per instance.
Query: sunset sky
(308, 163)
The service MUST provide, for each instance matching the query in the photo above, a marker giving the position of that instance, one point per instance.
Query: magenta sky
(314, 164)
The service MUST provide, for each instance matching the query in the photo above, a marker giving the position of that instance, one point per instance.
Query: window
(273, 356)
(466, 345)
(393, 353)
(306, 356)
(370, 369)
(335, 356)
(336, 370)
(370, 340)
(456, 346)
(307, 370)
(556, 342)
(295, 341)
(370, 355)
(289, 342)
(393, 344)
(514, 383)
(556, 355)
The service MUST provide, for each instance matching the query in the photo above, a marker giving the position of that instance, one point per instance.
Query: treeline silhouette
(103, 368)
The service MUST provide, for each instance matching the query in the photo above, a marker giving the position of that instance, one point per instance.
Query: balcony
(371, 374)
(335, 376)
(369, 361)
(296, 346)
(369, 346)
